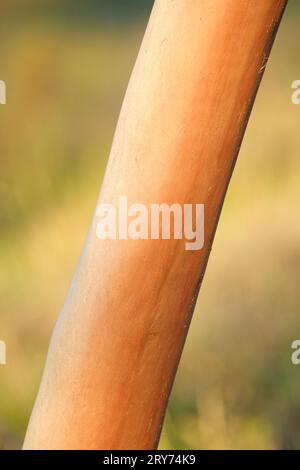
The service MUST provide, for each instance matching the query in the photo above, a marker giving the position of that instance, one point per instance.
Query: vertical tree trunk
(119, 337)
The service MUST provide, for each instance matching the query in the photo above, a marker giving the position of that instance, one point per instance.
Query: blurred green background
(66, 65)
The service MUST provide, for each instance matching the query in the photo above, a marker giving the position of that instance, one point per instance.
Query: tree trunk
(118, 340)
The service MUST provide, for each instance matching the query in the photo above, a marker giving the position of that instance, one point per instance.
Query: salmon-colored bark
(118, 340)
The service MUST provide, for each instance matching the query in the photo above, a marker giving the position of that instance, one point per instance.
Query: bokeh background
(66, 65)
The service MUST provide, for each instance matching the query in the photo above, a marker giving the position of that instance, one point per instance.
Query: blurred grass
(236, 387)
